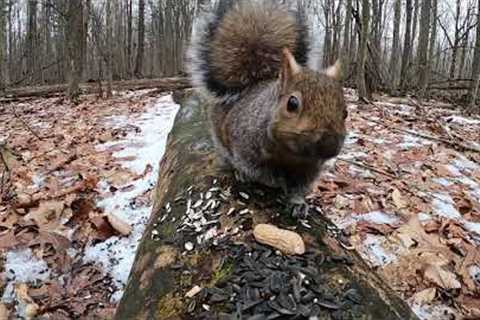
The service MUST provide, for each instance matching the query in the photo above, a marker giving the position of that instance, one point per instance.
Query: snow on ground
(143, 148)
(432, 180)
(23, 267)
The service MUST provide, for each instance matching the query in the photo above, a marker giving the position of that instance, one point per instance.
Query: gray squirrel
(274, 120)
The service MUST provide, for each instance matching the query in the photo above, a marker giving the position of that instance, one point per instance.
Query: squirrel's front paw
(299, 207)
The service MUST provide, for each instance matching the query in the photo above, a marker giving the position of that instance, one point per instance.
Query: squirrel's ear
(290, 67)
(335, 71)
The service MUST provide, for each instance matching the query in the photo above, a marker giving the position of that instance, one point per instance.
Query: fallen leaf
(30, 307)
(398, 199)
(119, 225)
(442, 278)
(4, 314)
(425, 296)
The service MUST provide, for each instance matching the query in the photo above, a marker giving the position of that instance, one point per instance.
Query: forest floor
(406, 191)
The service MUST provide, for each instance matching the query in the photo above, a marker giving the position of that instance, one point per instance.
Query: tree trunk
(129, 36)
(141, 39)
(346, 36)
(476, 60)
(395, 44)
(75, 35)
(164, 271)
(363, 91)
(453, 64)
(163, 84)
(109, 46)
(433, 37)
(422, 53)
(31, 53)
(416, 7)
(3, 45)
(407, 45)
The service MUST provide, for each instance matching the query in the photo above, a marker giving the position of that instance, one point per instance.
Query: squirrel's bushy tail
(241, 45)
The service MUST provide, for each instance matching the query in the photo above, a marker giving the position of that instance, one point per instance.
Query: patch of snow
(472, 227)
(354, 155)
(378, 217)
(462, 120)
(423, 217)
(444, 206)
(23, 267)
(430, 311)
(475, 273)
(463, 163)
(373, 250)
(411, 141)
(38, 181)
(351, 138)
(443, 182)
(116, 255)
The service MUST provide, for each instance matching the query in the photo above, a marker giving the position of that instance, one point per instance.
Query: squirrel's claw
(299, 207)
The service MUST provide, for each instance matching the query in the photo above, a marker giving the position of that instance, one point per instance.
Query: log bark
(164, 84)
(164, 270)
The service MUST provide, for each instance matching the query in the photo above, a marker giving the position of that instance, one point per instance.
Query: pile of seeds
(267, 285)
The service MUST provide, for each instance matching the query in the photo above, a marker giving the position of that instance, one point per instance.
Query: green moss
(222, 273)
(169, 306)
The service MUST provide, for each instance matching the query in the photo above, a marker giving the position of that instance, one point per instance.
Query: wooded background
(399, 46)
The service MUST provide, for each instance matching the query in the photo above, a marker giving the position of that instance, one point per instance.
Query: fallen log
(198, 258)
(163, 84)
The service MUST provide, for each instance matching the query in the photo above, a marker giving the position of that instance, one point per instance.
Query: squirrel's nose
(329, 145)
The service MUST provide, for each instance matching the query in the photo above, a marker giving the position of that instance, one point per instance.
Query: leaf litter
(75, 198)
(406, 192)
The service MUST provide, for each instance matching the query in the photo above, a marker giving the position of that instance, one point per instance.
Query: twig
(455, 144)
(26, 124)
(5, 171)
(365, 166)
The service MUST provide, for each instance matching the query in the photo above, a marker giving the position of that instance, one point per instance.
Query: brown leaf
(425, 296)
(4, 314)
(398, 199)
(119, 225)
(442, 278)
(31, 308)
(47, 215)
(374, 228)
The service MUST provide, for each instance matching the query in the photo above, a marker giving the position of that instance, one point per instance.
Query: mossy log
(165, 268)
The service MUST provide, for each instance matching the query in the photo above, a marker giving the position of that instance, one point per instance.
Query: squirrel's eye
(293, 104)
(345, 114)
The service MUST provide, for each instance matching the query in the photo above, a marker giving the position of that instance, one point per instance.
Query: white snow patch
(444, 206)
(462, 120)
(443, 182)
(38, 181)
(373, 250)
(22, 266)
(378, 217)
(462, 163)
(432, 312)
(147, 147)
(411, 141)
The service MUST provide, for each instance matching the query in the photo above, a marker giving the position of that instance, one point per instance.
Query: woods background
(424, 47)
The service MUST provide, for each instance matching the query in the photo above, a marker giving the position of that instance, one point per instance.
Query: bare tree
(31, 39)
(363, 91)
(395, 43)
(109, 47)
(346, 34)
(407, 44)
(476, 61)
(74, 38)
(433, 33)
(3, 45)
(141, 39)
(422, 52)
